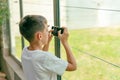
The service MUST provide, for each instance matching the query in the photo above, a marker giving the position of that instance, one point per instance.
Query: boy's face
(45, 34)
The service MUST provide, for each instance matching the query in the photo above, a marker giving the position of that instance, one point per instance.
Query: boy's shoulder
(36, 53)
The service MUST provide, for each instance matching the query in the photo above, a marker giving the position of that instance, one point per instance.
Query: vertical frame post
(56, 6)
(21, 15)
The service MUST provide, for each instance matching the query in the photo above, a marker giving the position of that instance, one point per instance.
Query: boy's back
(41, 65)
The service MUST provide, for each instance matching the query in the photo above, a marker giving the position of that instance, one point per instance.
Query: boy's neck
(35, 46)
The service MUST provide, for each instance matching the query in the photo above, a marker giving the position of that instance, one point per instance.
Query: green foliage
(3, 10)
(3, 16)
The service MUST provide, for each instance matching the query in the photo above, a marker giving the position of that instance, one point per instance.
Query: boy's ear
(38, 35)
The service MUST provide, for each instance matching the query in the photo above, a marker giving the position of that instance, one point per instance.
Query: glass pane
(94, 38)
(40, 7)
(14, 28)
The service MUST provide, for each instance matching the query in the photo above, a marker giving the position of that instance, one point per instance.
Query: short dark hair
(30, 24)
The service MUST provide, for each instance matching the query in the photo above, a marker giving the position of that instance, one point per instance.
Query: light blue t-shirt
(41, 65)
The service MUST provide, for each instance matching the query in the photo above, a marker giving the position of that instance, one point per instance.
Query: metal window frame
(10, 44)
(21, 15)
(56, 6)
(22, 39)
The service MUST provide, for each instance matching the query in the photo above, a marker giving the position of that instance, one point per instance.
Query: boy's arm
(70, 58)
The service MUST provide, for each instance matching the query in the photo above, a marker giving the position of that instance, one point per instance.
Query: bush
(3, 10)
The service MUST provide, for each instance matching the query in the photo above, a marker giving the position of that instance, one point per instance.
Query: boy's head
(31, 24)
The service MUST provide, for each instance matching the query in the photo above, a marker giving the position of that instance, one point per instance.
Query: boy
(37, 62)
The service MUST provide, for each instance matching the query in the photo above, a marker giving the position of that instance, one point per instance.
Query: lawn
(100, 42)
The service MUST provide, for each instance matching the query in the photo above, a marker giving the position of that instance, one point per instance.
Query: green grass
(101, 42)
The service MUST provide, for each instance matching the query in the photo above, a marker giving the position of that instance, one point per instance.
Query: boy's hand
(46, 46)
(64, 36)
(50, 36)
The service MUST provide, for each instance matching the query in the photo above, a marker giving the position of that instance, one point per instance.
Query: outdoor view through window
(94, 27)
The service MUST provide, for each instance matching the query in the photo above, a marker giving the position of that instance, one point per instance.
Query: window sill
(15, 66)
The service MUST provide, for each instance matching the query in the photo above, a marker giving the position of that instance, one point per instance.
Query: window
(94, 34)
(39, 7)
(94, 38)
(14, 29)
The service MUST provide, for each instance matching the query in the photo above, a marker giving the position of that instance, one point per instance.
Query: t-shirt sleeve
(55, 64)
